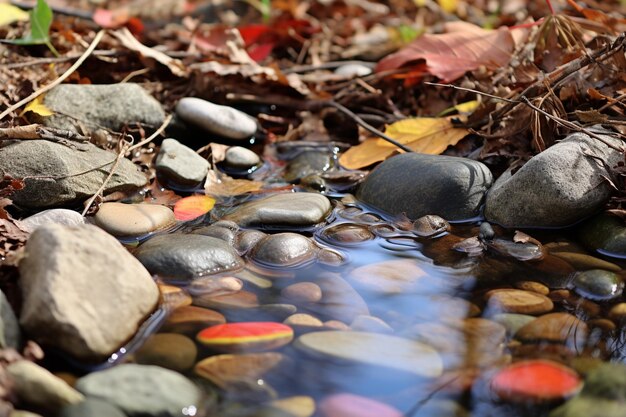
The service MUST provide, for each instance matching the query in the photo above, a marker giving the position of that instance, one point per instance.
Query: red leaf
(190, 208)
(450, 55)
(260, 52)
(252, 33)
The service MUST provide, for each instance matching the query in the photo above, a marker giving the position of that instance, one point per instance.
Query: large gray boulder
(51, 168)
(84, 293)
(560, 186)
(80, 107)
(143, 390)
(416, 185)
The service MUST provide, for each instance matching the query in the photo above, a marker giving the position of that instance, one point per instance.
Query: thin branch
(59, 80)
(124, 149)
(55, 60)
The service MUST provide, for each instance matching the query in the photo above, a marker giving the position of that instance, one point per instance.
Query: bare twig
(55, 60)
(124, 149)
(36, 131)
(59, 80)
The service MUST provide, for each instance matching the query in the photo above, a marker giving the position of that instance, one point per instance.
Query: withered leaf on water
(221, 185)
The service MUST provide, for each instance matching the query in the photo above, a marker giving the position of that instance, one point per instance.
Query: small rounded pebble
(174, 297)
(214, 286)
(246, 337)
(347, 234)
(228, 371)
(533, 286)
(284, 249)
(350, 405)
(222, 120)
(123, 220)
(303, 322)
(297, 406)
(179, 165)
(598, 284)
(535, 381)
(617, 313)
(168, 350)
(239, 300)
(302, 292)
(240, 157)
(556, 328)
(336, 325)
(486, 232)
(353, 70)
(191, 319)
(518, 301)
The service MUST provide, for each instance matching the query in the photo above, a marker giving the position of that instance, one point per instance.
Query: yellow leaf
(10, 14)
(226, 186)
(467, 107)
(448, 6)
(427, 135)
(37, 106)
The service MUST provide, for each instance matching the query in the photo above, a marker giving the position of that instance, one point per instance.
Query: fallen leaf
(37, 106)
(176, 66)
(192, 207)
(427, 135)
(11, 14)
(450, 55)
(225, 186)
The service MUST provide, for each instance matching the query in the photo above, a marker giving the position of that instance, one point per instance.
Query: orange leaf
(190, 208)
(450, 55)
(427, 135)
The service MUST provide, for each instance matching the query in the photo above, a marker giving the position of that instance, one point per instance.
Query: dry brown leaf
(224, 186)
(449, 56)
(128, 40)
(427, 135)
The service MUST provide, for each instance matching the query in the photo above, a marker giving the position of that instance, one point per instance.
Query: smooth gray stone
(43, 158)
(95, 106)
(84, 293)
(57, 216)
(307, 163)
(287, 209)
(248, 239)
(92, 407)
(598, 284)
(181, 256)
(559, 187)
(240, 157)
(142, 390)
(417, 185)
(180, 165)
(353, 70)
(223, 230)
(604, 233)
(284, 249)
(222, 120)
(10, 333)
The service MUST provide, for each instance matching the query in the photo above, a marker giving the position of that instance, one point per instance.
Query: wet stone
(122, 220)
(214, 118)
(370, 324)
(168, 350)
(297, 406)
(303, 323)
(598, 284)
(512, 322)
(373, 349)
(238, 157)
(224, 230)
(584, 262)
(430, 225)
(418, 185)
(307, 163)
(556, 328)
(186, 256)
(339, 300)
(10, 333)
(173, 296)
(57, 216)
(266, 312)
(302, 292)
(533, 286)
(214, 286)
(179, 165)
(350, 405)
(617, 313)
(288, 209)
(229, 371)
(346, 234)
(397, 276)
(191, 319)
(518, 301)
(604, 233)
(141, 390)
(284, 249)
(235, 301)
(248, 239)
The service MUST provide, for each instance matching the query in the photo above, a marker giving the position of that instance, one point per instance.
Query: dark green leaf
(40, 21)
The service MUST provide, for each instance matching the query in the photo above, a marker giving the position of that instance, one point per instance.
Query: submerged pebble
(284, 250)
(245, 337)
(598, 284)
(123, 220)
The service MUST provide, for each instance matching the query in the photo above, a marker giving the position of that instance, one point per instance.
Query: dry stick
(525, 100)
(120, 155)
(41, 61)
(59, 80)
